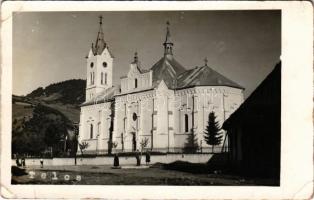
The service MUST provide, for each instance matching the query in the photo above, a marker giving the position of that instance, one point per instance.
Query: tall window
(124, 119)
(186, 122)
(106, 78)
(124, 124)
(91, 131)
(135, 83)
(92, 75)
(102, 78)
(98, 129)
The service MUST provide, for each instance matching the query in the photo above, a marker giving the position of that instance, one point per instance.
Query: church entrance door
(133, 141)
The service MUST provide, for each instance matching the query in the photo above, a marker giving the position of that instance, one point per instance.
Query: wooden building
(254, 130)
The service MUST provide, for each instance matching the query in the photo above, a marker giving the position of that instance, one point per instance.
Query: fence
(124, 160)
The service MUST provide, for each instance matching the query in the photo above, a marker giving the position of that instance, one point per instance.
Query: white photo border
(297, 106)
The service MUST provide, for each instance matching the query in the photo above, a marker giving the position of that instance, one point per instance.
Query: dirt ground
(105, 175)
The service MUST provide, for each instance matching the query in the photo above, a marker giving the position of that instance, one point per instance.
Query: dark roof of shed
(257, 97)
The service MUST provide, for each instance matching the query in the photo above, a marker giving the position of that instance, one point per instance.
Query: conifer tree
(213, 135)
(191, 146)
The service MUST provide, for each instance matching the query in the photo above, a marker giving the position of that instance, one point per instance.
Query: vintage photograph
(146, 98)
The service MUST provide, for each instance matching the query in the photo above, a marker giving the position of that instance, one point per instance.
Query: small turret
(206, 61)
(135, 58)
(168, 44)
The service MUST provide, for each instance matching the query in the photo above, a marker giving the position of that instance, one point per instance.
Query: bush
(16, 171)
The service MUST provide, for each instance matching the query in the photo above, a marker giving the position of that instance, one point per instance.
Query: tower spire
(100, 43)
(168, 44)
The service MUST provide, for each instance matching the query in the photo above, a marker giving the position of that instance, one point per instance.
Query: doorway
(133, 141)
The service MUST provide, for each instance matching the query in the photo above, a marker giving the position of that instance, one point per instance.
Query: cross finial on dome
(100, 19)
(168, 32)
(206, 61)
(135, 57)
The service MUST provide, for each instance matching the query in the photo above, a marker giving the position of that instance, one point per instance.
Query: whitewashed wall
(99, 116)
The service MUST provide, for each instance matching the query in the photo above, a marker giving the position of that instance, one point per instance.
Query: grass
(104, 175)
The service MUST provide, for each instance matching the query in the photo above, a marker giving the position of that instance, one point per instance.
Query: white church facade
(162, 106)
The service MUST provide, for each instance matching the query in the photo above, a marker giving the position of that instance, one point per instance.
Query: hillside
(64, 96)
(45, 114)
(66, 92)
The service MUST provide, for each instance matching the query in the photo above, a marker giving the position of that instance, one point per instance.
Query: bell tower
(99, 66)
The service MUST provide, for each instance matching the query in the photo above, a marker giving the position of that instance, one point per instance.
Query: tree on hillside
(213, 135)
(53, 135)
(34, 133)
(36, 93)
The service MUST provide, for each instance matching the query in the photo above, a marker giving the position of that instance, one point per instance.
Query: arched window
(186, 122)
(106, 78)
(102, 78)
(92, 74)
(91, 131)
(93, 77)
(135, 83)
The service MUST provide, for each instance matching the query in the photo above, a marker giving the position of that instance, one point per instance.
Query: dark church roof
(167, 69)
(204, 76)
(176, 76)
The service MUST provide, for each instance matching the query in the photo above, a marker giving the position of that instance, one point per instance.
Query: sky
(50, 47)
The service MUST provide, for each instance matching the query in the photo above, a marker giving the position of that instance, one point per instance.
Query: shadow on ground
(217, 164)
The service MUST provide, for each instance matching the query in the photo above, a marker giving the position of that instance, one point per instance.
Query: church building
(155, 109)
